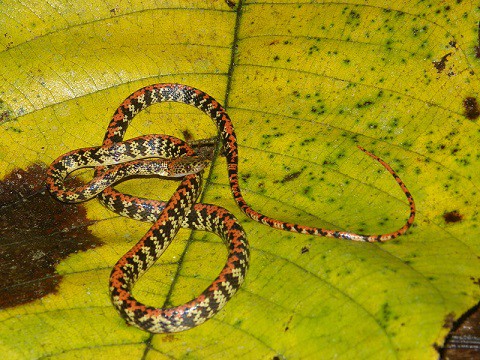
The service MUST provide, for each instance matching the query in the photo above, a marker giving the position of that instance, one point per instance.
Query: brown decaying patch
(452, 216)
(463, 341)
(472, 110)
(36, 233)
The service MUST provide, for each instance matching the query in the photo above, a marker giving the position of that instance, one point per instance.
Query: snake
(181, 210)
(164, 156)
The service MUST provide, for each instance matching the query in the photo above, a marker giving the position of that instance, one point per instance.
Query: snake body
(186, 213)
(182, 211)
(171, 157)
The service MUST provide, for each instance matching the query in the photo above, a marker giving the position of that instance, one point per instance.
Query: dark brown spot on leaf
(472, 110)
(187, 135)
(305, 249)
(452, 216)
(36, 233)
(440, 65)
(289, 177)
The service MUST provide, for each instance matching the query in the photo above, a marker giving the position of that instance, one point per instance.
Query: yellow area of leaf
(306, 83)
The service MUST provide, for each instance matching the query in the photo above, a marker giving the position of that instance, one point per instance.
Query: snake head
(187, 165)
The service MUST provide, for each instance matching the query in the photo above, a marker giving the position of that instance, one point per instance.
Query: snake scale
(117, 159)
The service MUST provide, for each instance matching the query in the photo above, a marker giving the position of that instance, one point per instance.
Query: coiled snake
(117, 159)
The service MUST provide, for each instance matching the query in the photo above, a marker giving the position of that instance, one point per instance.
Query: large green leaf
(304, 83)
